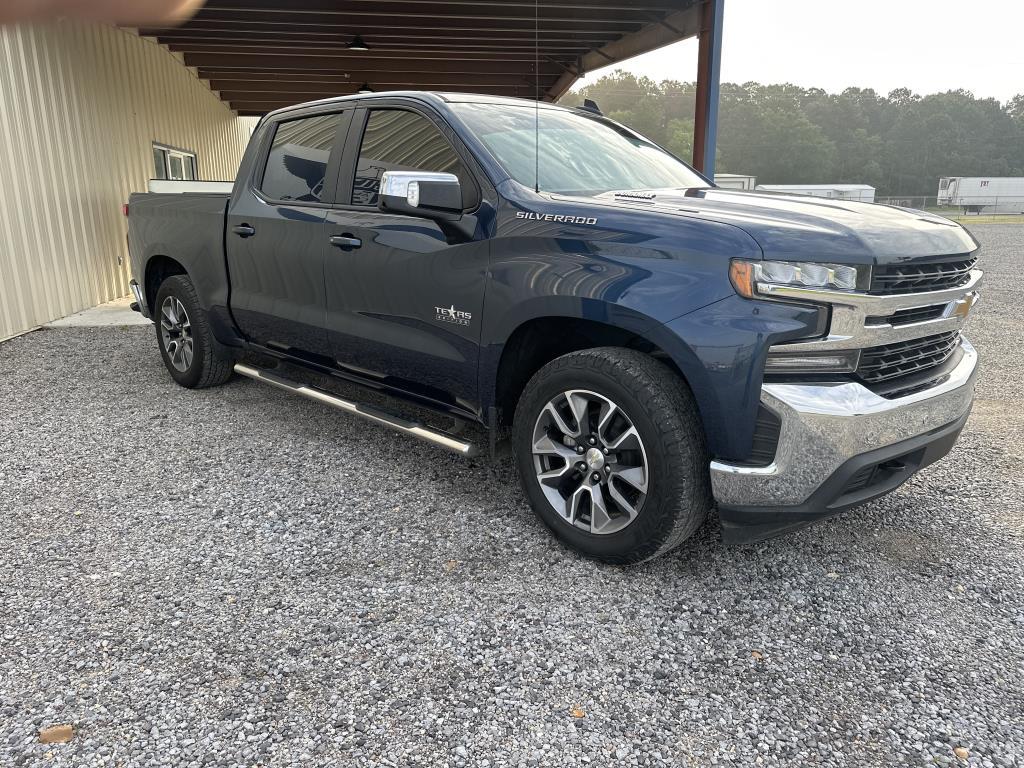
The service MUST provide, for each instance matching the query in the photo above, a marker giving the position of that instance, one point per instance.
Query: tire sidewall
(181, 288)
(655, 521)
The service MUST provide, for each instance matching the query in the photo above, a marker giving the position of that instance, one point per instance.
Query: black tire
(662, 410)
(211, 363)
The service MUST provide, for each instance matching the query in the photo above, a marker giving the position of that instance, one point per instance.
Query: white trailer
(979, 194)
(735, 181)
(859, 192)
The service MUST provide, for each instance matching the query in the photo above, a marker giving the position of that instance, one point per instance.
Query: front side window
(297, 163)
(579, 155)
(395, 140)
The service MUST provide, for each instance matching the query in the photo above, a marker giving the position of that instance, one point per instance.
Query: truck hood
(797, 227)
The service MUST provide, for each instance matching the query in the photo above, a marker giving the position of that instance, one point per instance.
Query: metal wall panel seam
(14, 290)
(72, 179)
(42, 144)
(32, 241)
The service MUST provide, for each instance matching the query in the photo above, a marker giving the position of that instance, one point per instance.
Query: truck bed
(185, 229)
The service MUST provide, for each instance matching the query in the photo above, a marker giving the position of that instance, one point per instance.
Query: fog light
(803, 362)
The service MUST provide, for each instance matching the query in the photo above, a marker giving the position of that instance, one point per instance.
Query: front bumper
(840, 445)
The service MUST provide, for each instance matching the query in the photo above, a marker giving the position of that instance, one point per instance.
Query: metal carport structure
(264, 54)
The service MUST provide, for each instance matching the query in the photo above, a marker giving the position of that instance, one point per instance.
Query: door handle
(346, 241)
(243, 230)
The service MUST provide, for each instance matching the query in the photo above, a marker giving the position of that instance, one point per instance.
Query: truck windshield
(579, 155)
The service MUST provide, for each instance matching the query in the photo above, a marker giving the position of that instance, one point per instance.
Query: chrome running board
(404, 426)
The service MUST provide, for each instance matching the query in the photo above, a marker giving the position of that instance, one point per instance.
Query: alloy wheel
(176, 333)
(590, 461)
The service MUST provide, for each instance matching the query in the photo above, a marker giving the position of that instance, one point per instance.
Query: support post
(709, 67)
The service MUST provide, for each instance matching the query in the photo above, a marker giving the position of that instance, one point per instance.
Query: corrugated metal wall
(80, 107)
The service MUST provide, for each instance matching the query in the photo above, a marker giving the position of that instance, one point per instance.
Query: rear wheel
(194, 358)
(611, 454)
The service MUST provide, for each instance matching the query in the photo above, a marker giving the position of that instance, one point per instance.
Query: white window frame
(189, 161)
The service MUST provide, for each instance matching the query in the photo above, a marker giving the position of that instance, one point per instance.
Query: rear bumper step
(369, 413)
(139, 305)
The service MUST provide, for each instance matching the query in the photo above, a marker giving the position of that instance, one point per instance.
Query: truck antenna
(536, 88)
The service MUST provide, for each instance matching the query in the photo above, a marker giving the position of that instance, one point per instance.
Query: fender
(188, 229)
(629, 270)
(720, 350)
(499, 329)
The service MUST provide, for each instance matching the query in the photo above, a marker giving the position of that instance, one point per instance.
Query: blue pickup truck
(649, 346)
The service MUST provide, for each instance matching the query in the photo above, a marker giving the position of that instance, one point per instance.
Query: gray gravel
(237, 577)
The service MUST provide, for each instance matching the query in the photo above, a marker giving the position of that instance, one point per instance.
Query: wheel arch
(536, 341)
(158, 269)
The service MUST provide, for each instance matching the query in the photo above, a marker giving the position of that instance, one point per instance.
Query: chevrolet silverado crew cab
(648, 345)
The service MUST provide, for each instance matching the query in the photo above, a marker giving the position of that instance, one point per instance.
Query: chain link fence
(962, 206)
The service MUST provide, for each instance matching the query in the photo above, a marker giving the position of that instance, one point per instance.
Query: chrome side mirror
(420, 193)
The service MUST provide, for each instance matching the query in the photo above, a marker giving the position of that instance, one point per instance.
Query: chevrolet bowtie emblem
(962, 307)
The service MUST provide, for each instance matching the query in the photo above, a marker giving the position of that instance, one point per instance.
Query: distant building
(859, 192)
(735, 181)
(977, 194)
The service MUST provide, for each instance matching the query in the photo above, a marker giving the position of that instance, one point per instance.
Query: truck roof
(437, 97)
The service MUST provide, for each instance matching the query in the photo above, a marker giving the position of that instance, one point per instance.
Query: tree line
(901, 143)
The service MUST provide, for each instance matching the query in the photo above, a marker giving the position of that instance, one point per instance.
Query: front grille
(891, 361)
(918, 278)
(909, 316)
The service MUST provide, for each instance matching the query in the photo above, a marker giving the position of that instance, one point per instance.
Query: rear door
(275, 239)
(404, 305)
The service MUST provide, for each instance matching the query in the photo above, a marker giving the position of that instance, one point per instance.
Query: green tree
(900, 143)
(764, 132)
(1015, 107)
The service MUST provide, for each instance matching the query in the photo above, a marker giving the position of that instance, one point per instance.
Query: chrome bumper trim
(825, 425)
(849, 329)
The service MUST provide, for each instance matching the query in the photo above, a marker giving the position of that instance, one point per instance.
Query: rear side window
(298, 159)
(395, 140)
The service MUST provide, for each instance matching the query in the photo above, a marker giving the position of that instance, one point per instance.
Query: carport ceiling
(265, 54)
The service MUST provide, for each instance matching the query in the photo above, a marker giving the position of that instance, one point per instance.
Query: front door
(275, 239)
(404, 298)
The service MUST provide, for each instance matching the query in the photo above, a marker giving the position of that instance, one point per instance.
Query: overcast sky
(925, 45)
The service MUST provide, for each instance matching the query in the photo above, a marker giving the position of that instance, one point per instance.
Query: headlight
(748, 276)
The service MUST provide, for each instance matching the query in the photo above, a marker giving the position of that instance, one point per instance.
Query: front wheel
(611, 454)
(194, 358)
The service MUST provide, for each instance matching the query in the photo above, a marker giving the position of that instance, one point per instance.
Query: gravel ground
(239, 577)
